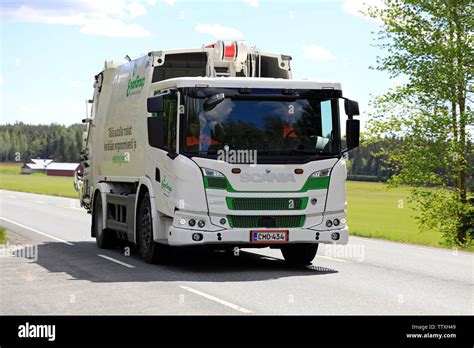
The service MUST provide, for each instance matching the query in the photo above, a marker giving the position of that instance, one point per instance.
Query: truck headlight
(321, 173)
(214, 179)
(212, 173)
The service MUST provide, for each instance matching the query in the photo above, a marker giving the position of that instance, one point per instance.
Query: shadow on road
(81, 261)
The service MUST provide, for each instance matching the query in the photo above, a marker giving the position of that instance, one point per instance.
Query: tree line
(20, 142)
(63, 144)
(368, 161)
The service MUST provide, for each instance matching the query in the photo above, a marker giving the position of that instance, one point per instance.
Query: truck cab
(216, 147)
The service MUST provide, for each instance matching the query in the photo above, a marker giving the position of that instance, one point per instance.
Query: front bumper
(241, 236)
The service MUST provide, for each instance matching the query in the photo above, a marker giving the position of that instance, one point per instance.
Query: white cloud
(29, 14)
(253, 3)
(136, 9)
(104, 17)
(170, 2)
(318, 53)
(113, 28)
(219, 31)
(356, 7)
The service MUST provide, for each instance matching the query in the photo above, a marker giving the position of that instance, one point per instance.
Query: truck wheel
(104, 238)
(151, 251)
(299, 254)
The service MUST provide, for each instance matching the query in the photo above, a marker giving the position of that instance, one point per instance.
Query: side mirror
(213, 101)
(352, 134)
(351, 107)
(156, 129)
(155, 104)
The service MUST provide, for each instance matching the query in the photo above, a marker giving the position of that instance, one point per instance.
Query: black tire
(105, 238)
(299, 254)
(151, 251)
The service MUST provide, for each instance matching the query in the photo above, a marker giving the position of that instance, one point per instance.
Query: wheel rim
(146, 228)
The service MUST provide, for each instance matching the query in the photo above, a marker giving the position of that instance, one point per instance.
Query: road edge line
(116, 261)
(36, 231)
(216, 299)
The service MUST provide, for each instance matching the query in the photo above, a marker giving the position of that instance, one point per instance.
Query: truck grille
(267, 203)
(249, 221)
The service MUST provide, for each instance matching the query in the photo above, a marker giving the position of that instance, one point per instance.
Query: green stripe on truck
(224, 184)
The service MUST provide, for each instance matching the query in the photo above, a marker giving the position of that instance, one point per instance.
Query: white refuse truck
(219, 147)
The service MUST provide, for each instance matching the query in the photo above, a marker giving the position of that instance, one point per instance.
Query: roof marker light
(229, 51)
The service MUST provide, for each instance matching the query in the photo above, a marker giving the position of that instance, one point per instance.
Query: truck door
(163, 158)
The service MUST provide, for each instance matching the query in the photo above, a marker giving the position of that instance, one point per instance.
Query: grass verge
(3, 235)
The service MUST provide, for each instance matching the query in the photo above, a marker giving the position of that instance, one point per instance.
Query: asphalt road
(65, 273)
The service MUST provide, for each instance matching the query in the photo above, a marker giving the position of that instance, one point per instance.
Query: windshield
(268, 122)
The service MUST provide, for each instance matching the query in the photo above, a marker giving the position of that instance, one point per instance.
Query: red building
(62, 169)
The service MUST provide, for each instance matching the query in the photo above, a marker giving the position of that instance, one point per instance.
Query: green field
(373, 210)
(378, 212)
(3, 235)
(11, 179)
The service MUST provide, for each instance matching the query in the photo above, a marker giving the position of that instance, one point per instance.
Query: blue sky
(50, 50)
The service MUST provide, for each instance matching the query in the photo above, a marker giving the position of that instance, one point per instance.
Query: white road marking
(116, 261)
(36, 231)
(37, 201)
(216, 299)
(75, 208)
(14, 197)
(332, 258)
